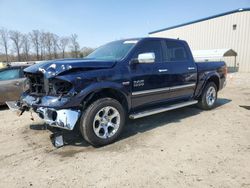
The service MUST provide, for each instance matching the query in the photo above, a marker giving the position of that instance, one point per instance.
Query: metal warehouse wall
(217, 33)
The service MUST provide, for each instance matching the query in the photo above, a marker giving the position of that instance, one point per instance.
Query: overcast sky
(100, 21)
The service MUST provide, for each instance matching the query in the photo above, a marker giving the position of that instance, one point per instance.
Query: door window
(151, 46)
(175, 51)
(9, 74)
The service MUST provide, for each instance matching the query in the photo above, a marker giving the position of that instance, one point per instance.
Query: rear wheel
(102, 122)
(208, 97)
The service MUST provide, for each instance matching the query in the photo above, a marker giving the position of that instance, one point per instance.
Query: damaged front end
(54, 90)
(49, 96)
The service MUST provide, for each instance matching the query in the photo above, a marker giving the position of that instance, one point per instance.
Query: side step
(161, 109)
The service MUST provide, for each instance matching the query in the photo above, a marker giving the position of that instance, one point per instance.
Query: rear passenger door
(182, 68)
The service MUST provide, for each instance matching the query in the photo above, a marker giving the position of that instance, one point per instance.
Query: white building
(230, 30)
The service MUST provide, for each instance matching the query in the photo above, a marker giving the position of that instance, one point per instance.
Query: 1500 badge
(138, 83)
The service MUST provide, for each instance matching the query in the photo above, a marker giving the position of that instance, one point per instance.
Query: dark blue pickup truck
(126, 78)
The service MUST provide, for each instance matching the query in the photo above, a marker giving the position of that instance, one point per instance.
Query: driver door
(149, 80)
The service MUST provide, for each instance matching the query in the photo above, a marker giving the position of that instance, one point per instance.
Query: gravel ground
(182, 148)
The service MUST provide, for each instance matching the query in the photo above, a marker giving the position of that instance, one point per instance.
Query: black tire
(203, 102)
(88, 118)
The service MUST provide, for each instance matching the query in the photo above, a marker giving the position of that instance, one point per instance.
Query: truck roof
(148, 38)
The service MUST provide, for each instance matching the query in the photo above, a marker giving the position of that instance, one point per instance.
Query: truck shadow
(148, 123)
(133, 127)
(3, 107)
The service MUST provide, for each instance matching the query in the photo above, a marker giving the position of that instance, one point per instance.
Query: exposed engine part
(39, 85)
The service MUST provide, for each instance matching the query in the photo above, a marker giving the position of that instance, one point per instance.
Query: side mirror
(146, 58)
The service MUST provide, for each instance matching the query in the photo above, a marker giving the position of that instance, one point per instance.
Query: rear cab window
(175, 51)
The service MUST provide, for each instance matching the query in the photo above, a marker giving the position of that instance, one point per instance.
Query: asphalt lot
(182, 148)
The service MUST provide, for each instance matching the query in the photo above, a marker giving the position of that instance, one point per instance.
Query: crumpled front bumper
(65, 118)
(48, 108)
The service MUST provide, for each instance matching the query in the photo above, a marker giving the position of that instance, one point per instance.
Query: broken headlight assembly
(59, 87)
(38, 85)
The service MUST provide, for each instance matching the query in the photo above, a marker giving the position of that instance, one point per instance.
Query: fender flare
(204, 81)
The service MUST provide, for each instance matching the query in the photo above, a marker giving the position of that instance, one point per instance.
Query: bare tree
(63, 43)
(35, 35)
(26, 46)
(74, 45)
(42, 39)
(55, 40)
(4, 41)
(39, 45)
(49, 43)
(16, 37)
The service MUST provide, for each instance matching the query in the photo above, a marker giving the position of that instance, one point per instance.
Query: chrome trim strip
(163, 70)
(162, 89)
(150, 91)
(181, 86)
(162, 109)
(191, 68)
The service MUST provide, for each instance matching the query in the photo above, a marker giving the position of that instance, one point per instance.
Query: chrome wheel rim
(106, 122)
(211, 96)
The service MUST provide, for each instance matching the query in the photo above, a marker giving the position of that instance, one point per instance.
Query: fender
(202, 81)
(96, 87)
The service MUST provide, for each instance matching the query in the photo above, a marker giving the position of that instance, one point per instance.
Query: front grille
(36, 83)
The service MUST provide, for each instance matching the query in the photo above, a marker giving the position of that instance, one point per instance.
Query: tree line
(38, 45)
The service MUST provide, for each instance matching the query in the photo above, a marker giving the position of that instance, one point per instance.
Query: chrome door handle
(191, 68)
(163, 70)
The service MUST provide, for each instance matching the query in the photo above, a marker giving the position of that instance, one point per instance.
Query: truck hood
(53, 68)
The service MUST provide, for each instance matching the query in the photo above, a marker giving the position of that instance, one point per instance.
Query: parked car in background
(11, 83)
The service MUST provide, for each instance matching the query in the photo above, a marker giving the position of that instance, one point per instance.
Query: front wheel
(208, 97)
(102, 122)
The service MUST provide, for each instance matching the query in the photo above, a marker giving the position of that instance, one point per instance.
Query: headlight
(60, 87)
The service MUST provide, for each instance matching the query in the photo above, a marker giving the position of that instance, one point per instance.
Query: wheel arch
(107, 92)
(212, 77)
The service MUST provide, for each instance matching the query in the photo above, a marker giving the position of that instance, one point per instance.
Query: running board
(161, 109)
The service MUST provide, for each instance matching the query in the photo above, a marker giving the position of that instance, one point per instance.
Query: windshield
(113, 51)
